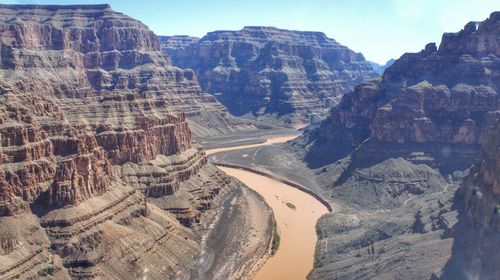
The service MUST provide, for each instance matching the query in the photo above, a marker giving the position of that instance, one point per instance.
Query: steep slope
(393, 152)
(475, 254)
(292, 75)
(97, 161)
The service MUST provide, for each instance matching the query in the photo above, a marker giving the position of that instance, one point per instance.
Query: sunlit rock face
(97, 161)
(437, 95)
(295, 75)
(97, 53)
(399, 146)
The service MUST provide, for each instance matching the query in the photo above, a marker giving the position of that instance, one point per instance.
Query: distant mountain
(381, 68)
(265, 71)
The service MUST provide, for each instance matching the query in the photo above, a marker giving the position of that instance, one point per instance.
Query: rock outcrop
(97, 161)
(437, 95)
(293, 75)
(396, 148)
(474, 254)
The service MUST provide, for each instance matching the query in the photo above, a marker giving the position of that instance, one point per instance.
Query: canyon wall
(265, 71)
(394, 152)
(99, 174)
(474, 253)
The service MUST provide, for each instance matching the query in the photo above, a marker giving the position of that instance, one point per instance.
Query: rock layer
(294, 75)
(97, 161)
(395, 150)
(94, 52)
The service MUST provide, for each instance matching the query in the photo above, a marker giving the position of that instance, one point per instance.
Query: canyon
(288, 76)
(100, 175)
(121, 158)
(395, 156)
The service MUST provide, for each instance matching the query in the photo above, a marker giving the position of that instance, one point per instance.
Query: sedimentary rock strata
(97, 161)
(396, 149)
(94, 53)
(294, 75)
(176, 43)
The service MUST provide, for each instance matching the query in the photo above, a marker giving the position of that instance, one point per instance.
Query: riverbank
(296, 210)
(296, 213)
(239, 238)
(258, 143)
(327, 205)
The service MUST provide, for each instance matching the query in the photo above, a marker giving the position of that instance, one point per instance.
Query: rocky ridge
(171, 44)
(97, 52)
(293, 75)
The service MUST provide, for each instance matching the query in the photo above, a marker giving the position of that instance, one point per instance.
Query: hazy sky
(380, 29)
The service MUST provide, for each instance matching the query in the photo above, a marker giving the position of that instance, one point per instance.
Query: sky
(380, 29)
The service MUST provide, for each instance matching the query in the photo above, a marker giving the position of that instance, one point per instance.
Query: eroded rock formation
(474, 254)
(294, 75)
(395, 150)
(97, 162)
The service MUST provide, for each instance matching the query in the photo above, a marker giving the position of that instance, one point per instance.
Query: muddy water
(274, 140)
(296, 221)
(295, 256)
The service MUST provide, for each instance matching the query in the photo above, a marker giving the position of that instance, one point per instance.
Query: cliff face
(474, 254)
(437, 95)
(482, 211)
(401, 145)
(96, 52)
(176, 43)
(264, 70)
(97, 162)
(482, 185)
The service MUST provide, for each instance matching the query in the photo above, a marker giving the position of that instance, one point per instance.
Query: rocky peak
(476, 38)
(467, 56)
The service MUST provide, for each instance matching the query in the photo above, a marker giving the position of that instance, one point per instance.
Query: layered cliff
(172, 44)
(437, 95)
(97, 161)
(395, 150)
(84, 52)
(292, 75)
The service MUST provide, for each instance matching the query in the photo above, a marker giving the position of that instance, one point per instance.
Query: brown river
(296, 213)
